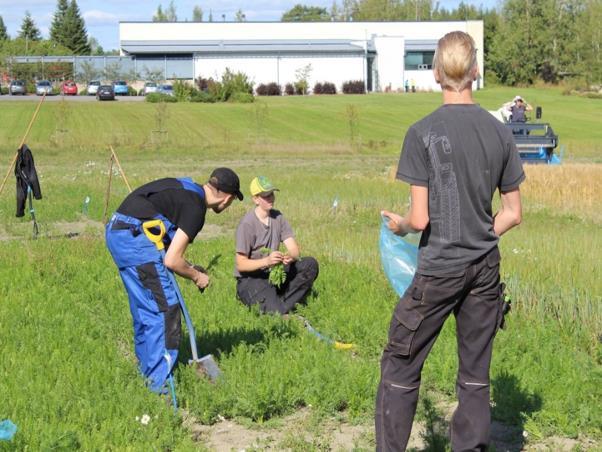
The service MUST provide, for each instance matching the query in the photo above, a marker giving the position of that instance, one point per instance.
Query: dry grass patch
(569, 189)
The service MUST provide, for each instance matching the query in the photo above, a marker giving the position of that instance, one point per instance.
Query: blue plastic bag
(7, 430)
(399, 258)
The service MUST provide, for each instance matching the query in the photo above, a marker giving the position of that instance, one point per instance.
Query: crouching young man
(454, 159)
(258, 238)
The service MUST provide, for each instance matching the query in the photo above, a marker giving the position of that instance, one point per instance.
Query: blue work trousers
(154, 302)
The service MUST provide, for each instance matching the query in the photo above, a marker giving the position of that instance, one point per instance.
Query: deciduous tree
(303, 13)
(197, 14)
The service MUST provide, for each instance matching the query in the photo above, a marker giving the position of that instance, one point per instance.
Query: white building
(385, 55)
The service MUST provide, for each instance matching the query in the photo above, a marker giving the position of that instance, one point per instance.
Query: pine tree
(74, 28)
(58, 22)
(3, 34)
(28, 29)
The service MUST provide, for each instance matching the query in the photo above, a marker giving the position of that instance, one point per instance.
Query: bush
(289, 89)
(83, 92)
(241, 98)
(182, 90)
(325, 88)
(160, 97)
(234, 82)
(203, 96)
(271, 89)
(4, 90)
(301, 87)
(132, 91)
(354, 87)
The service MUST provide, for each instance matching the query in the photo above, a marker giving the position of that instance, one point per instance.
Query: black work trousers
(475, 298)
(300, 276)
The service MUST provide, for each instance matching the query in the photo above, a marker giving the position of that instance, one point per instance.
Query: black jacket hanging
(25, 172)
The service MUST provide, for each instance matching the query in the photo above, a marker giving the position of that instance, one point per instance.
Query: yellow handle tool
(157, 239)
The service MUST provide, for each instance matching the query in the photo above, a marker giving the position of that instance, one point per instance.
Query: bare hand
(394, 223)
(286, 260)
(274, 258)
(201, 280)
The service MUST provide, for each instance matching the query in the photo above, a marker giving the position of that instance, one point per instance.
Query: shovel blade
(207, 367)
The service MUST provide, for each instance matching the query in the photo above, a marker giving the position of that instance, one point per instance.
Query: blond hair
(455, 61)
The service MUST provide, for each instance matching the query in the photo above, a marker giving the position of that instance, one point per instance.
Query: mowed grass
(68, 376)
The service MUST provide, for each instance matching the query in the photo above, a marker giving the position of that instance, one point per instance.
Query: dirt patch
(301, 431)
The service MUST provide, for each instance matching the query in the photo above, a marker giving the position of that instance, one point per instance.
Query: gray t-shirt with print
(463, 155)
(252, 235)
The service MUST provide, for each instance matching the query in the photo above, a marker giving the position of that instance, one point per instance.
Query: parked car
(17, 87)
(43, 87)
(93, 87)
(105, 92)
(120, 88)
(69, 88)
(165, 89)
(149, 87)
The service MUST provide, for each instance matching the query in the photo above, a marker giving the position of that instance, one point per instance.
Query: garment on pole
(27, 178)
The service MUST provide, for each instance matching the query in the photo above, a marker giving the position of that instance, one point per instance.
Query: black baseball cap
(226, 180)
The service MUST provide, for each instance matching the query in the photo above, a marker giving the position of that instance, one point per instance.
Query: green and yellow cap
(261, 185)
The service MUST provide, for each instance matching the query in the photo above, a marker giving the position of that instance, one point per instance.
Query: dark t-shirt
(462, 154)
(183, 208)
(518, 113)
(252, 235)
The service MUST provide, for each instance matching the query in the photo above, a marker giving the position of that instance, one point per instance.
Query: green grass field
(68, 375)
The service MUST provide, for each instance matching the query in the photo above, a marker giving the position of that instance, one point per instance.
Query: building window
(419, 60)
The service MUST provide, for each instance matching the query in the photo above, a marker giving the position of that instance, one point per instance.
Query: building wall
(283, 69)
(386, 37)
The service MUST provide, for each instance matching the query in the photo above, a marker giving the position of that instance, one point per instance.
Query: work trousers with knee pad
(154, 302)
(476, 301)
(300, 276)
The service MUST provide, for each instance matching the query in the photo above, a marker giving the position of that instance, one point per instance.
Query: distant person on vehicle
(454, 159)
(181, 204)
(258, 238)
(518, 107)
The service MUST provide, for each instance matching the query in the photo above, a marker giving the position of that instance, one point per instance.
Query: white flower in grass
(525, 434)
(145, 419)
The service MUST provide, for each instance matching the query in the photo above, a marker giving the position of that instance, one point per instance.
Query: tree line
(68, 35)
(524, 40)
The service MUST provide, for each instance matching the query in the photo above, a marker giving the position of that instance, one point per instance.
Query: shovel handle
(157, 239)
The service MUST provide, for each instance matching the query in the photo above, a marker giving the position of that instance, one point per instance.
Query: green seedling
(277, 273)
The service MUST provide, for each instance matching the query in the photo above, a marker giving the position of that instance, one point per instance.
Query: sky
(103, 16)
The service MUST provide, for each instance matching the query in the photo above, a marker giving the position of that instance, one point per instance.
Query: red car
(69, 88)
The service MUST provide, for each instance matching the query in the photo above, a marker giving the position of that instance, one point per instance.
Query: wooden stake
(22, 142)
(108, 195)
(114, 156)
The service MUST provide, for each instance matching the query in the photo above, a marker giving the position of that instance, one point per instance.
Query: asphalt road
(31, 97)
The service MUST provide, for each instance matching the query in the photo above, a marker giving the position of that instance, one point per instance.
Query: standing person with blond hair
(454, 159)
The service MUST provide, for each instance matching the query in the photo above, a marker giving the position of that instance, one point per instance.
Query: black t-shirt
(168, 197)
(463, 155)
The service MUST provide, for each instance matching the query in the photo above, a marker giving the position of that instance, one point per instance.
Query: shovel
(205, 366)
